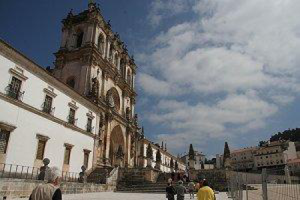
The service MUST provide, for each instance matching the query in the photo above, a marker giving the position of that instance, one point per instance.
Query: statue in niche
(95, 87)
(110, 100)
(135, 120)
(43, 169)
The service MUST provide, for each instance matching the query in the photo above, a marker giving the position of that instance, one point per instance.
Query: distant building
(199, 161)
(274, 154)
(219, 161)
(294, 166)
(243, 159)
(165, 157)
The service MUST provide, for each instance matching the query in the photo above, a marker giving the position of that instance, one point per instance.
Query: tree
(176, 165)
(261, 143)
(158, 156)
(226, 156)
(171, 163)
(149, 151)
(191, 153)
(226, 151)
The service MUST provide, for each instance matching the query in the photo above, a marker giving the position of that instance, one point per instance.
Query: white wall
(22, 144)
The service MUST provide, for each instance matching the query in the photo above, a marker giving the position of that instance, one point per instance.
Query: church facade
(81, 112)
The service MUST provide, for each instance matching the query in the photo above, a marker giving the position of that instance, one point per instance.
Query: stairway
(134, 182)
(99, 175)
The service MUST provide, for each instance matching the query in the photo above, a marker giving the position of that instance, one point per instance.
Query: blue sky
(208, 71)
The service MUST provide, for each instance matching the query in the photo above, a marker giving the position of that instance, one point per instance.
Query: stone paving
(125, 196)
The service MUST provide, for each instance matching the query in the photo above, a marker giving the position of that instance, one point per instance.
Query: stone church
(95, 63)
(81, 111)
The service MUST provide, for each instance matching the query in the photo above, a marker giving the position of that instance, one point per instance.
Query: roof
(244, 150)
(297, 160)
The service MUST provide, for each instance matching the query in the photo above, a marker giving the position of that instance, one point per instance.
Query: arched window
(71, 82)
(111, 50)
(116, 59)
(122, 67)
(101, 43)
(79, 39)
(128, 77)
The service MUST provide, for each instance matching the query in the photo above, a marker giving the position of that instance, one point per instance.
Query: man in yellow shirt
(205, 192)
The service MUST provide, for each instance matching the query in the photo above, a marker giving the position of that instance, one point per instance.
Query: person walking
(205, 192)
(191, 187)
(49, 190)
(170, 191)
(180, 190)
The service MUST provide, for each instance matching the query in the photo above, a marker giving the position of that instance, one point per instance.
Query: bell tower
(92, 59)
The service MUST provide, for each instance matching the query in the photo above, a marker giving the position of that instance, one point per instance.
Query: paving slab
(125, 196)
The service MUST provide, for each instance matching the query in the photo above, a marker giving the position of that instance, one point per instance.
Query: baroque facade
(81, 112)
(95, 63)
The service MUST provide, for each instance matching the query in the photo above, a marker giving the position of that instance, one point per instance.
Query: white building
(243, 159)
(165, 157)
(42, 117)
(199, 161)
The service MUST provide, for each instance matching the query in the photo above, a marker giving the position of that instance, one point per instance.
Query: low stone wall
(18, 188)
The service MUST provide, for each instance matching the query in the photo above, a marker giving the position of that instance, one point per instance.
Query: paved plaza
(125, 196)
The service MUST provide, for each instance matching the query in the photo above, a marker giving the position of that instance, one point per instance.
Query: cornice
(43, 114)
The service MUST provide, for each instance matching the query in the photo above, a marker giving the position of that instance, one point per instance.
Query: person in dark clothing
(170, 192)
(180, 190)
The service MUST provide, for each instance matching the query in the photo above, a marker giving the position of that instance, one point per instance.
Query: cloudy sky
(209, 71)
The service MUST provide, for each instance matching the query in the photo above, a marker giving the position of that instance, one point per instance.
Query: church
(79, 113)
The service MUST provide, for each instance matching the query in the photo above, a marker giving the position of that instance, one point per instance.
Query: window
(67, 155)
(116, 59)
(40, 149)
(89, 125)
(111, 52)
(71, 118)
(122, 67)
(79, 39)
(101, 43)
(13, 89)
(47, 106)
(71, 82)
(128, 77)
(86, 158)
(4, 136)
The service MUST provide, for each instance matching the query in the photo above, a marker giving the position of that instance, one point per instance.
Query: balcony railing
(26, 172)
(14, 93)
(47, 108)
(72, 120)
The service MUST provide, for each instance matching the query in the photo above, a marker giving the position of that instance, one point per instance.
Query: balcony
(14, 92)
(72, 120)
(47, 108)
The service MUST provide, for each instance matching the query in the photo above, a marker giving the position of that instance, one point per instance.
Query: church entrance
(117, 147)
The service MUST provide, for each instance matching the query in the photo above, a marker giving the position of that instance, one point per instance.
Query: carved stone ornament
(128, 114)
(101, 123)
(117, 78)
(95, 87)
(109, 116)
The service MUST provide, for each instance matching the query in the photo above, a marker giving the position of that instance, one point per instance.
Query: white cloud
(237, 65)
(162, 9)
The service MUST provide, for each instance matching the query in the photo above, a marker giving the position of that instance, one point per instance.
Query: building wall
(165, 157)
(29, 120)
